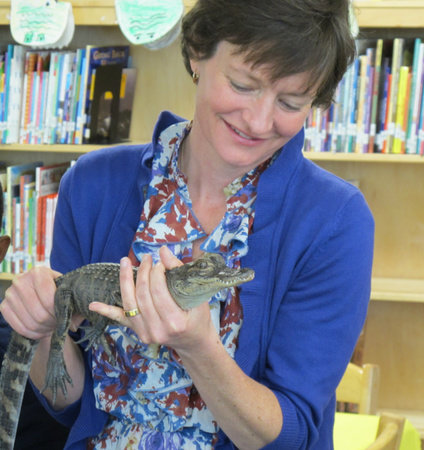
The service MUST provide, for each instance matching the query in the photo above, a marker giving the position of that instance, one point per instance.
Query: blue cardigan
(311, 248)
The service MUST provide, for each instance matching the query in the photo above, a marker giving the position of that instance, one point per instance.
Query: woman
(259, 365)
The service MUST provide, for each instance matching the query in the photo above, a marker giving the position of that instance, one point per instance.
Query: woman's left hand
(159, 320)
(248, 412)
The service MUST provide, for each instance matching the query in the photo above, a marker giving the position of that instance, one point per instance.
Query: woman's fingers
(129, 308)
(168, 259)
(28, 304)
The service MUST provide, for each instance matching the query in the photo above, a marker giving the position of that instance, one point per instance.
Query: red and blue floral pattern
(150, 397)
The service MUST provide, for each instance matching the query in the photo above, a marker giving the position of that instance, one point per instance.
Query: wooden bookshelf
(393, 186)
(389, 14)
(397, 290)
(365, 157)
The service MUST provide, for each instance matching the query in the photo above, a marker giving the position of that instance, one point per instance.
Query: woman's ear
(193, 65)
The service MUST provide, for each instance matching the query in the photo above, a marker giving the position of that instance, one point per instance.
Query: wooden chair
(360, 385)
(389, 433)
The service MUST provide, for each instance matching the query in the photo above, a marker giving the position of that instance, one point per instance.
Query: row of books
(379, 104)
(29, 201)
(48, 97)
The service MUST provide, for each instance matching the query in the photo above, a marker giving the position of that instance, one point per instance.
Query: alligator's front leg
(57, 374)
(94, 332)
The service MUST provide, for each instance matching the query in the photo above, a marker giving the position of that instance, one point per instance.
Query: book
(20, 256)
(70, 100)
(95, 56)
(397, 56)
(420, 130)
(28, 205)
(368, 107)
(64, 87)
(14, 88)
(376, 94)
(361, 101)
(401, 108)
(39, 92)
(7, 69)
(352, 96)
(47, 180)
(27, 97)
(126, 101)
(415, 102)
(384, 88)
(50, 210)
(111, 106)
(13, 197)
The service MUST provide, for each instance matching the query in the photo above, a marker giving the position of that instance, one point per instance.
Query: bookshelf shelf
(365, 157)
(397, 290)
(389, 14)
(57, 148)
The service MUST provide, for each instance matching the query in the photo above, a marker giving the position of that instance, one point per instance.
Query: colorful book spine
(363, 61)
(351, 111)
(375, 95)
(416, 92)
(398, 47)
(399, 136)
(8, 63)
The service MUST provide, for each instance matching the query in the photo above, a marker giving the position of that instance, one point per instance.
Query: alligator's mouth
(203, 278)
(224, 279)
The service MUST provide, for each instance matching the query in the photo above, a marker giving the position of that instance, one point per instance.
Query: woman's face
(241, 117)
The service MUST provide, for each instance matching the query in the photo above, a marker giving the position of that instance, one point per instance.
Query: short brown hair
(289, 36)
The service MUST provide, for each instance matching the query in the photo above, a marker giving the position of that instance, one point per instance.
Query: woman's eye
(240, 88)
(288, 106)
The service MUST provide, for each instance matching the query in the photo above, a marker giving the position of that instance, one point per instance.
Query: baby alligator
(190, 285)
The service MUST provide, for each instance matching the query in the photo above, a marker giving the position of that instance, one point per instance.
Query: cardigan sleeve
(317, 325)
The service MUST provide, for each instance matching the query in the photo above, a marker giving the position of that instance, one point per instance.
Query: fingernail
(124, 261)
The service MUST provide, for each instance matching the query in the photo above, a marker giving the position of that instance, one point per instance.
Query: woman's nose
(259, 116)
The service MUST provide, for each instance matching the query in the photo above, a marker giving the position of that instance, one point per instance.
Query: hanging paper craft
(42, 23)
(152, 23)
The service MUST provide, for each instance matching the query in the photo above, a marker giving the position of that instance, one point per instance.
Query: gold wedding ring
(132, 312)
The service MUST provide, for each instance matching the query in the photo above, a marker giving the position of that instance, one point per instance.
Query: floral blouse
(150, 397)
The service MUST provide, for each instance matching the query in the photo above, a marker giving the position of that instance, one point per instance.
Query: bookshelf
(392, 184)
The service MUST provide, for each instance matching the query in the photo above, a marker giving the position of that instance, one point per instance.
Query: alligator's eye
(202, 264)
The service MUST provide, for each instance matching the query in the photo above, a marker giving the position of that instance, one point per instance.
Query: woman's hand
(247, 411)
(160, 319)
(28, 305)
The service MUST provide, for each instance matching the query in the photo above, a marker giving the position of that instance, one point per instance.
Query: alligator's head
(196, 282)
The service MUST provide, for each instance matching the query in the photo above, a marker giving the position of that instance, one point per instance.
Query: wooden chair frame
(360, 385)
(389, 433)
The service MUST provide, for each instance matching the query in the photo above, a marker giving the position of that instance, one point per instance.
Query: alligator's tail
(13, 378)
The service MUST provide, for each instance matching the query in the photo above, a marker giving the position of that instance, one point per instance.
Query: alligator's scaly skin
(190, 285)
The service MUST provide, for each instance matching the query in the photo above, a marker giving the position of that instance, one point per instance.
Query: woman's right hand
(28, 305)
